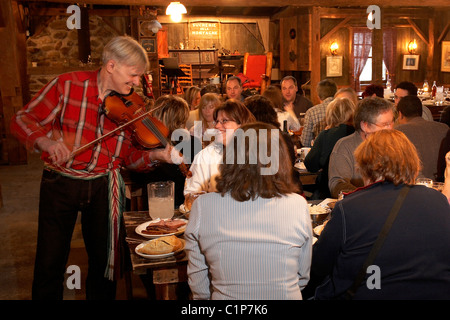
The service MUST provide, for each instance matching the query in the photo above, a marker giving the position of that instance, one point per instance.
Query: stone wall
(55, 50)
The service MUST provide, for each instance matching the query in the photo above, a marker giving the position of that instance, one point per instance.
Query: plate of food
(162, 247)
(161, 227)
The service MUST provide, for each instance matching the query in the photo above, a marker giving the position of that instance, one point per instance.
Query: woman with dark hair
(274, 94)
(251, 239)
(413, 262)
(228, 117)
(263, 110)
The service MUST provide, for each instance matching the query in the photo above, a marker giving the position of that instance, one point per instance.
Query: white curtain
(263, 25)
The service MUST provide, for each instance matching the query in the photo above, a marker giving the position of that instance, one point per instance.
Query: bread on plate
(162, 245)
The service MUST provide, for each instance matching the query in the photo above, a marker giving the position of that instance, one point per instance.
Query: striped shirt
(68, 109)
(248, 250)
(314, 122)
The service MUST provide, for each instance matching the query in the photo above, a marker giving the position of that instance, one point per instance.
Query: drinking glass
(439, 186)
(439, 95)
(161, 199)
(425, 182)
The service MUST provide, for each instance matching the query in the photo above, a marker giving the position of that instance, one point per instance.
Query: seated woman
(251, 239)
(173, 112)
(273, 93)
(203, 128)
(339, 119)
(192, 96)
(228, 116)
(263, 110)
(413, 262)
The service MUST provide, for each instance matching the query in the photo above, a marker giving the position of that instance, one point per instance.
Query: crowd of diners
(249, 234)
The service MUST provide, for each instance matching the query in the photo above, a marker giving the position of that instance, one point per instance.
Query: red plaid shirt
(68, 109)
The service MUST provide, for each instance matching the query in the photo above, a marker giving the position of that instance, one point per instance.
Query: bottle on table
(433, 90)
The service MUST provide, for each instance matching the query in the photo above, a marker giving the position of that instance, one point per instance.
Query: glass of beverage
(440, 95)
(161, 199)
(439, 186)
(425, 182)
(342, 193)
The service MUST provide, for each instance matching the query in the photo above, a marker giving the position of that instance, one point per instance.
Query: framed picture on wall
(149, 44)
(334, 66)
(445, 60)
(411, 62)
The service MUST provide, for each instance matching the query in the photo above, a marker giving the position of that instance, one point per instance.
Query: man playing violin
(65, 115)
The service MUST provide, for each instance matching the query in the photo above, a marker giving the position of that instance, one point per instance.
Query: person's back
(427, 136)
(253, 248)
(414, 262)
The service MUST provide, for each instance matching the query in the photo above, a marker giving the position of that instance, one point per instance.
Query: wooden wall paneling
(432, 61)
(288, 45)
(335, 30)
(13, 79)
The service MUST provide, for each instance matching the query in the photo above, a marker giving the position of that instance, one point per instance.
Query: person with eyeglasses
(228, 117)
(371, 115)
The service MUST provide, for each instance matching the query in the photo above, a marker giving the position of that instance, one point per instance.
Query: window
(366, 73)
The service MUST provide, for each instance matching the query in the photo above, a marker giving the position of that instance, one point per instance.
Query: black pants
(61, 198)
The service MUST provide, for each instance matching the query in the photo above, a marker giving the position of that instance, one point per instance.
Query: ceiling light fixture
(175, 10)
(154, 26)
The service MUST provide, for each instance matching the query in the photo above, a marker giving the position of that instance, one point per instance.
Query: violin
(131, 111)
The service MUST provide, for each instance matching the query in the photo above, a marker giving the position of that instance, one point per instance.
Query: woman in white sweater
(229, 116)
(252, 239)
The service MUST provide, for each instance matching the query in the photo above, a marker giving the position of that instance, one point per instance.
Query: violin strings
(151, 126)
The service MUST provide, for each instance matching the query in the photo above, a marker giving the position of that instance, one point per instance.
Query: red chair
(257, 71)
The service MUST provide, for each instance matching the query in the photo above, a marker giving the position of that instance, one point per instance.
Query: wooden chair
(257, 71)
(182, 82)
(186, 82)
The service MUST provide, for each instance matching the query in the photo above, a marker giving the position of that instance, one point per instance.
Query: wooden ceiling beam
(265, 3)
(418, 31)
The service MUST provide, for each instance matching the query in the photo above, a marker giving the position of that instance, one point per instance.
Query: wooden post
(377, 56)
(84, 36)
(315, 53)
(13, 82)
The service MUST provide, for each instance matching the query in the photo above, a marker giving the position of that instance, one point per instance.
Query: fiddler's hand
(169, 155)
(57, 150)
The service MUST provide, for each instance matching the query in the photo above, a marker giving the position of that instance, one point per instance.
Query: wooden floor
(18, 231)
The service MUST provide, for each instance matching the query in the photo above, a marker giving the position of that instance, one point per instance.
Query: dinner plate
(144, 225)
(157, 256)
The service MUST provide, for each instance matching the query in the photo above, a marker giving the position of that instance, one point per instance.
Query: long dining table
(166, 273)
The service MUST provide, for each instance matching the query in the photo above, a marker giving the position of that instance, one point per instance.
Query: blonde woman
(192, 96)
(203, 128)
(339, 124)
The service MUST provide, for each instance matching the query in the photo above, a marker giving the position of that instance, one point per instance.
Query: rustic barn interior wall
(240, 37)
(54, 49)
